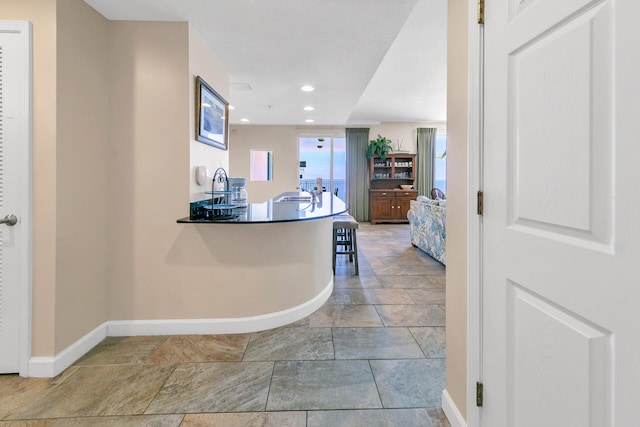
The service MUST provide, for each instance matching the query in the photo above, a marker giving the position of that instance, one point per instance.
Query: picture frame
(212, 112)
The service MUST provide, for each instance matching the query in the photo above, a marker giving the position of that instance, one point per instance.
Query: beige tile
(414, 383)
(28, 423)
(399, 259)
(418, 270)
(102, 390)
(349, 270)
(389, 270)
(290, 344)
(427, 296)
(339, 296)
(324, 384)
(437, 418)
(431, 340)
(408, 282)
(379, 296)
(375, 343)
(18, 394)
(370, 418)
(252, 419)
(345, 316)
(214, 387)
(123, 421)
(362, 281)
(411, 315)
(200, 348)
(121, 351)
(438, 279)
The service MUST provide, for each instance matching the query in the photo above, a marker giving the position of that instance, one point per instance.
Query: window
(326, 158)
(440, 163)
(261, 165)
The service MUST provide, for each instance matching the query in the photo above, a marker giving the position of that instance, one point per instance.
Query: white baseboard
(119, 328)
(451, 411)
(48, 367)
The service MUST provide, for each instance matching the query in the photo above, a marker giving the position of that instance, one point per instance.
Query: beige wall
(406, 131)
(457, 190)
(149, 157)
(82, 172)
(283, 141)
(203, 62)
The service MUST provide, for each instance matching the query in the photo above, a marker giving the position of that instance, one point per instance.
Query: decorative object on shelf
(212, 112)
(406, 186)
(399, 149)
(380, 146)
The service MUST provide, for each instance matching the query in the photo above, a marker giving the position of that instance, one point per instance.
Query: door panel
(15, 194)
(382, 207)
(561, 157)
(404, 204)
(561, 225)
(549, 346)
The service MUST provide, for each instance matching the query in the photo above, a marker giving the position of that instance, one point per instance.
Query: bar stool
(344, 234)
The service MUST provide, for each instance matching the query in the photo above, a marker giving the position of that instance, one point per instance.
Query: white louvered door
(15, 195)
(561, 225)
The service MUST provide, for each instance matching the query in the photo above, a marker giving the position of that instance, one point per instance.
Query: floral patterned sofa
(427, 220)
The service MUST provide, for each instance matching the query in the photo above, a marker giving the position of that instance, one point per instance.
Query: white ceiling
(370, 61)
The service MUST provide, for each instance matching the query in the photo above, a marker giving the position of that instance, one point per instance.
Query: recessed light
(231, 107)
(244, 120)
(309, 120)
(307, 88)
(308, 108)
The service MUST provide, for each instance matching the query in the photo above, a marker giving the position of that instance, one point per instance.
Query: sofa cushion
(427, 220)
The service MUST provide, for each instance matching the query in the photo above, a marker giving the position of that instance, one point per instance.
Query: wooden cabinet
(390, 205)
(394, 170)
(387, 201)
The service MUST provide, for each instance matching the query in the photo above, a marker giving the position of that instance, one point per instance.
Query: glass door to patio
(323, 157)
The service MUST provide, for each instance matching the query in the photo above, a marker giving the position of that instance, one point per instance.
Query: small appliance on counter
(239, 194)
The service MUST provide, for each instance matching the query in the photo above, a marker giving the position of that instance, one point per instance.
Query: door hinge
(480, 205)
(479, 390)
(480, 11)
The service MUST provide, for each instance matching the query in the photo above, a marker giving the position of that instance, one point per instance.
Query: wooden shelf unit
(387, 201)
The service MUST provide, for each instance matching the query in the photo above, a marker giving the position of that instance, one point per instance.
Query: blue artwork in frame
(212, 112)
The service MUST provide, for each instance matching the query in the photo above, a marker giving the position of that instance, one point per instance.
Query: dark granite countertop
(285, 207)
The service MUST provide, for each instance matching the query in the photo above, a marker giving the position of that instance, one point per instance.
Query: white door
(561, 253)
(15, 195)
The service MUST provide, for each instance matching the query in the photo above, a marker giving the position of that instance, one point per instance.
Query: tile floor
(373, 355)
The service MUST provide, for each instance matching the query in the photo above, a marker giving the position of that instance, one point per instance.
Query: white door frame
(475, 151)
(24, 157)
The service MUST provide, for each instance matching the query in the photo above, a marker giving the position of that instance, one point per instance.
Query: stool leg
(335, 244)
(355, 249)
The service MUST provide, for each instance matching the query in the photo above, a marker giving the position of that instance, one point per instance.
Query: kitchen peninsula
(272, 259)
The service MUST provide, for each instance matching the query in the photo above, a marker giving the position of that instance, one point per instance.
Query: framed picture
(212, 124)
